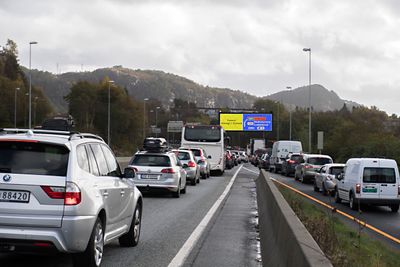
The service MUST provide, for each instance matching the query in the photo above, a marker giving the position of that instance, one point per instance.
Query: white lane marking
(185, 250)
(250, 170)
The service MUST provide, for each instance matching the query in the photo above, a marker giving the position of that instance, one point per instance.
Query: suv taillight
(191, 164)
(308, 166)
(71, 193)
(358, 188)
(168, 170)
(291, 161)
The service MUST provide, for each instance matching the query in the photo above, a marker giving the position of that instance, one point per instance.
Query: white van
(280, 150)
(371, 181)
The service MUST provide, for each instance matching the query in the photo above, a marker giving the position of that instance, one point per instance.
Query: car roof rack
(72, 135)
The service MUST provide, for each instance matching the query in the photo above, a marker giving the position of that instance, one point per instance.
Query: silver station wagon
(65, 191)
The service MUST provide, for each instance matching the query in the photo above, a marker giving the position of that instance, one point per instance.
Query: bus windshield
(203, 133)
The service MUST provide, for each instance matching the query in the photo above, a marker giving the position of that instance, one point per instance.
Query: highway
(230, 239)
(379, 217)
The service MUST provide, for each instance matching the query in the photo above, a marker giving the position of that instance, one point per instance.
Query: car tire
(204, 176)
(324, 191)
(395, 207)
(295, 176)
(177, 194)
(337, 197)
(352, 202)
(93, 254)
(193, 182)
(316, 189)
(302, 179)
(131, 238)
(198, 179)
(183, 190)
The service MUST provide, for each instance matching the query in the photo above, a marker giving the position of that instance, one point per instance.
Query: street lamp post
(144, 117)
(34, 110)
(109, 113)
(277, 128)
(290, 117)
(309, 97)
(157, 108)
(15, 108)
(30, 83)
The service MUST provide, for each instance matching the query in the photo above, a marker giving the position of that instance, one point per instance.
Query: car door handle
(122, 192)
(383, 184)
(105, 194)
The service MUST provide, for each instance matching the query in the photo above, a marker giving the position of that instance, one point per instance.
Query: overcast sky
(253, 45)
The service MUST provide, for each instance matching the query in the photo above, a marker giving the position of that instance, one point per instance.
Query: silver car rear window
(151, 160)
(183, 156)
(33, 158)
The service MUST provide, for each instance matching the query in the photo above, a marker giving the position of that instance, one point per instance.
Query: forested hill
(142, 84)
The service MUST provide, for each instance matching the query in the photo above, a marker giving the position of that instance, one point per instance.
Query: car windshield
(319, 161)
(151, 160)
(379, 175)
(33, 158)
(336, 170)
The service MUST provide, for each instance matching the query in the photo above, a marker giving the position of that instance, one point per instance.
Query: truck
(256, 144)
(280, 151)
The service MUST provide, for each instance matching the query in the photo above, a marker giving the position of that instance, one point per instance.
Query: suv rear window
(336, 170)
(151, 160)
(183, 156)
(319, 161)
(196, 152)
(297, 158)
(33, 158)
(379, 175)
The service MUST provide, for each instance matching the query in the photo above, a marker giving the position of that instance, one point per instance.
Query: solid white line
(251, 170)
(185, 250)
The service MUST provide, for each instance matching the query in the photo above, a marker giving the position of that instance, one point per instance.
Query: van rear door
(380, 182)
(32, 183)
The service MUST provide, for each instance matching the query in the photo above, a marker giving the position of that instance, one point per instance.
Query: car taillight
(71, 193)
(191, 164)
(291, 161)
(308, 166)
(358, 188)
(168, 170)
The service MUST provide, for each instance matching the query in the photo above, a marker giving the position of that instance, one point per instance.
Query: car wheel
(316, 189)
(198, 179)
(352, 202)
(324, 191)
(395, 207)
(204, 176)
(193, 182)
(302, 179)
(93, 254)
(131, 238)
(183, 190)
(337, 197)
(295, 176)
(177, 194)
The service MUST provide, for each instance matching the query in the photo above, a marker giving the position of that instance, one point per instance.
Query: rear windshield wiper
(5, 169)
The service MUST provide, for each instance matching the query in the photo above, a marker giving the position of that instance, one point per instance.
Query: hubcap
(98, 244)
(136, 229)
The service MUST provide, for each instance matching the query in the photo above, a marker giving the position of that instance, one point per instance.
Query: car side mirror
(209, 156)
(129, 172)
(339, 176)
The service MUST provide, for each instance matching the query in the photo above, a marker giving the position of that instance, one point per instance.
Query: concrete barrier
(284, 239)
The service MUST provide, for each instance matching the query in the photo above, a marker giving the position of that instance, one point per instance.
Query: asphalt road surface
(167, 223)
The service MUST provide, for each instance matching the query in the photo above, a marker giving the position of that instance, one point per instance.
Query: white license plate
(149, 176)
(14, 196)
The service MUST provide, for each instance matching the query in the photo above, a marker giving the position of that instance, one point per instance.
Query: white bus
(211, 139)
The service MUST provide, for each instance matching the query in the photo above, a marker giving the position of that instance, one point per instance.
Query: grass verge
(341, 244)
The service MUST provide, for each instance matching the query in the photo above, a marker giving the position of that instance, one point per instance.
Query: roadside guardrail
(284, 239)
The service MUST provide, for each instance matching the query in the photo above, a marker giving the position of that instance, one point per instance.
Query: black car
(289, 165)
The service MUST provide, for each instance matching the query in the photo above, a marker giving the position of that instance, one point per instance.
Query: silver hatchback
(65, 191)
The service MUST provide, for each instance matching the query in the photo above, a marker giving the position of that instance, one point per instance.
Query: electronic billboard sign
(256, 122)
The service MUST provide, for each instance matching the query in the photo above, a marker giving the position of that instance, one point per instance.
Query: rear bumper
(218, 167)
(73, 236)
(378, 202)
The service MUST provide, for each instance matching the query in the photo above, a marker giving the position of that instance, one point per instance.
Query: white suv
(371, 181)
(65, 191)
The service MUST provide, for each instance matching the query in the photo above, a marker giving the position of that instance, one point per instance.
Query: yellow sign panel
(231, 122)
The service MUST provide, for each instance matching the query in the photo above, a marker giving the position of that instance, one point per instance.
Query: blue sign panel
(257, 122)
